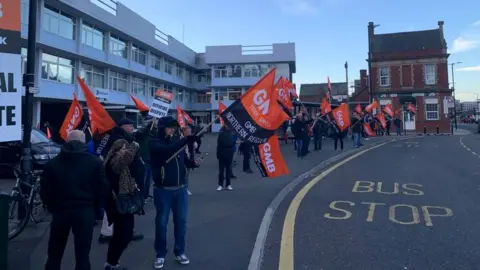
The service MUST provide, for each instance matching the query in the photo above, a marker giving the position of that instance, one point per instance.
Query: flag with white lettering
(257, 115)
(73, 119)
(269, 158)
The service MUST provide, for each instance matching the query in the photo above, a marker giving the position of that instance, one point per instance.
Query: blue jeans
(299, 144)
(176, 201)
(356, 139)
(147, 183)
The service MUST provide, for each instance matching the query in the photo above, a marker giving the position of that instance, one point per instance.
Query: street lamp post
(454, 100)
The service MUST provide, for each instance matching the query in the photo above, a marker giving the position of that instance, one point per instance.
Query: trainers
(182, 259)
(159, 263)
(188, 192)
(219, 188)
(137, 237)
(230, 188)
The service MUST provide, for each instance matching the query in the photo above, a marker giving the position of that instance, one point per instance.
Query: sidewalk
(222, 225)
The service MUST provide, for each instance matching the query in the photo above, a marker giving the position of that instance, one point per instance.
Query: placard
(10, 71)
(161, 103)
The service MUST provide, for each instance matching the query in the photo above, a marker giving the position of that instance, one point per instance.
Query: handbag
(130, 203)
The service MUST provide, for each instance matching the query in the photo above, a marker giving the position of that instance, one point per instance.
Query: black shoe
(137, 237)
(197, 152)
(233, 176)
(103, 239)
(248, 171)
(117, 267)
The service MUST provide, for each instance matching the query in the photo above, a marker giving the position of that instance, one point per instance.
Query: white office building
(118, 53)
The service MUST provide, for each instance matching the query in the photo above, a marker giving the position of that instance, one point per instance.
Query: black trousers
(335, 142)
(80, 222)
(224, 171)
(305, 145)
(317, 142)
(122, 235)
(246, 161)
(199, 143)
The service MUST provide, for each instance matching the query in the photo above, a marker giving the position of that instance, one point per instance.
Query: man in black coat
(72, 184)
(225, 152)
(124, 130)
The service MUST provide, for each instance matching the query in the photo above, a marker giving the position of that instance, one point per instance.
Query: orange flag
(372, 106)
(325, 106)
(388, 110)
(187, 117)
(73, 118)
(342, 116)
(381, 118)
(180, 117)
(100, 120)
(139, 104)
(411, 108)
(368, 130)
(291, 88)
(221, 108)
(260, 102)
(283, 94)
(269, 158)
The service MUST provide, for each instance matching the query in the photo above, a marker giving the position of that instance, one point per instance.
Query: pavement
(409, 204)
(222, 226)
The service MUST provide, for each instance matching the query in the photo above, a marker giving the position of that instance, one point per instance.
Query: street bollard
(438, 130)
(4, 201)
(424, 130)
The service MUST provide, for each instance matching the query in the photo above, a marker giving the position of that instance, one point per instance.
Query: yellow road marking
(286, 260)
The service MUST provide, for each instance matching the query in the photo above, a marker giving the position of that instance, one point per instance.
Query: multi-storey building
(412, 67)
(118, 53)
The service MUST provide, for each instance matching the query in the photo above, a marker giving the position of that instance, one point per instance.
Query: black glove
(192, 138)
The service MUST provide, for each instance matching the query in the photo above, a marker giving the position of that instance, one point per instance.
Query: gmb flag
(256, 116)
(269, 159)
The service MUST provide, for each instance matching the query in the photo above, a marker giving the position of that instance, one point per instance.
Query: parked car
(43, 149)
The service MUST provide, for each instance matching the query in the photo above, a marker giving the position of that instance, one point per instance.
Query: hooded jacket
(225, 144)
(74, 178)
(173, 173)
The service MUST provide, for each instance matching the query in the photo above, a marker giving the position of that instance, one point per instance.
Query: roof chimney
(440, 28)
(363, 79)
(371, 30)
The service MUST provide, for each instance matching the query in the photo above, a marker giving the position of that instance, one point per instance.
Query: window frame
(116, 45)
(50, 13)
(138, 54)
(432, 69)
(58, 63)
(430, 111)
(384, 76)
(92, 72)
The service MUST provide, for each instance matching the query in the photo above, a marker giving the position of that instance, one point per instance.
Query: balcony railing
(160, 36)
(108, 5)
(257, 49)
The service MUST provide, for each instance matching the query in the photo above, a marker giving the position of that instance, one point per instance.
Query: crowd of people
(305, 128)
(80, 186)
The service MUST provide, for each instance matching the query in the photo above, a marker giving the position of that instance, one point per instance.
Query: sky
(326, 32)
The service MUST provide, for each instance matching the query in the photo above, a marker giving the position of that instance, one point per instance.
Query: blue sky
(326, 32)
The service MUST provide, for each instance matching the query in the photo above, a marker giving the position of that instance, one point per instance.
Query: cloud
(463, 44)
(475, 68)
(297, 6)
(477, 23)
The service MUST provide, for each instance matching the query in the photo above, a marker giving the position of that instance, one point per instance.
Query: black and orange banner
(73, 119)
(269, 159)
(256, 116)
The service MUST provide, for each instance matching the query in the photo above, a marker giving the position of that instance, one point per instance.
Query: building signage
(102, 94)
(10, 71)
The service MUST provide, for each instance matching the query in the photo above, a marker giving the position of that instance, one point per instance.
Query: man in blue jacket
(170, 192)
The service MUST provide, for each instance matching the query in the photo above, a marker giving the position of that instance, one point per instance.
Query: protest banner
(10, 71)
(161, 104)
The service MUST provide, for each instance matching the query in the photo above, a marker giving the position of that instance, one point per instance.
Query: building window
(154, 86)
(220, 72)
(430, 71)
(156, 62)
(220, 94)
(118, 46)
(204, 78)
(186, 96)
(168, 88)
(93, 37)
(57, 69)
(432, 109)
(168, 66)
(138, 86)
(139, 55)
(202, 98)
(188, 76)
(58, 23)
(384, 76)
(234, 93)
(93, 76)
(118, 81)
(178, 94)
(180, 72)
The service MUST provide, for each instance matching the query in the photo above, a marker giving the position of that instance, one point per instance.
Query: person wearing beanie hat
(170, 192)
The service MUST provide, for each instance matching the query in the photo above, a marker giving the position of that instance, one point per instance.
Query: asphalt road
(222, 226)
(405, 205)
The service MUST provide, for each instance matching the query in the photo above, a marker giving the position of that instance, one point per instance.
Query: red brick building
(411, 67)
(361, 94)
